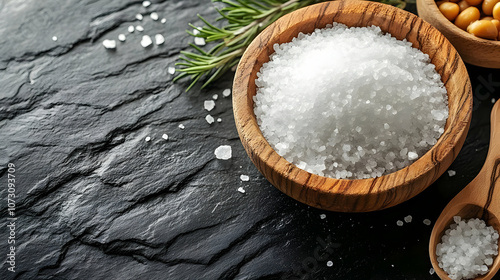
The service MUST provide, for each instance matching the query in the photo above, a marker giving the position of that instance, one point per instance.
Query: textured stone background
(96, 201)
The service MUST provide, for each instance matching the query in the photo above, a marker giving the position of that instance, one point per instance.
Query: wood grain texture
(366, 194)
(472, 49)
(479, 199)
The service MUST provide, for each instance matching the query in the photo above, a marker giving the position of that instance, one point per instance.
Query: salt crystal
(139, 17)
(226, 92)
(154, 16)
(427, 222)
(215, 96)
(244, 178)
(209, 105)
(196, 31)
(399, 223)
(241, 190)
(329, 263)
(223, 152)
(452, 173)
(408, 219)
(322, 216)
(146, 41)
(219, 120)
(164, 136)
(109, 44)
(146, 3)
(131, 29)
(181, 126)
(171, 70)
(139, 28)
(412, 155)
(163, 20)
(209, 119)
(122, 37)
(159, 39)
(493, 100)
(199, 41)
(54, 38)
(431, 271)
(147, 139)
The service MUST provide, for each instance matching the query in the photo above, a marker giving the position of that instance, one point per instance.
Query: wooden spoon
(479, 199)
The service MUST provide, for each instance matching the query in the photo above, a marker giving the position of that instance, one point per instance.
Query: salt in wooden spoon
(479, 199)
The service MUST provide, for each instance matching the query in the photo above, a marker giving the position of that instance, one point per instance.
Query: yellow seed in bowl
(496, 11)
(484, 29)
(487, 18)
(467, 16)
(496, 22)
(474, 2)
(450, 10)
(463, 5)
(488, 6)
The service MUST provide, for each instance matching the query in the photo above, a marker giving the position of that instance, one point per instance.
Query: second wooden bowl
(365, 194)
(472, 49)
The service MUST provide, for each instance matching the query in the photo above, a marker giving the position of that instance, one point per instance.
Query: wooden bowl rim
(357, 187)
(455, 29)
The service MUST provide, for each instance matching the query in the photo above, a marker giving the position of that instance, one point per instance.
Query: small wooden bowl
(364, 194)
(472, 49)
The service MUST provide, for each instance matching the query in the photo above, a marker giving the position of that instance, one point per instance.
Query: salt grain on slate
(147, 139)
(109, 44)
(139, 28)
(54, 38)
(452, 173)
(209, 105)
(399, 223)
(171, 70)
(395, 99)
(139, 17)
(154, 16)
(159, 39)
(215, 96)
(223, 152)
(241, 190)
(181, 126)
(131, 29)
(226, 92)
(244, 178)
(427, 222)
(122, 37)
(322, 216)
(163, 20)
(209, 119)
(146, 3)
(329, 263)
(408, 219)
(146, 41)
(493, 100)
(199, 41)
(219, 120)
(164, 136)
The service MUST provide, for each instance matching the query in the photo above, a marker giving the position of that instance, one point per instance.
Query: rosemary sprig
(245, 20)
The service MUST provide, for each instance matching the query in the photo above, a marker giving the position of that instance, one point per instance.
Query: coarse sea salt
(139, 28)
(171, 70)
(350, 102)
(209, 105)
(159, 39)
(109, 44)
(154, 16)
(181, 126)
(54, 38)
(199, 41)
(163, 20)
(467, 248)
(226, 92)
(452, 173)
(122, 37)
(165, 136)
(244, 178)
(209, 119)
(146, 3)
(146, 41)
(223, 152)
(131, 29)
(139, 17)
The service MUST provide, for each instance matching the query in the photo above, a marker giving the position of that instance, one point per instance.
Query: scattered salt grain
(181, 126)
(139, 17)
(209, 105)
(54, 38)
(322, 216)
(163, 20)
(493, 100)
(241, 190)
(226, 92)
(223, 152)
(209, 119)
(146, 41)
(199, 41)
(159, 39)
(431, 271)
(139, 28)
(147, 139)
(131, 29)
(427, 222)
(244, 178)
(215, 96)
(122, 37)
(329, 263)
(171, 70)
(146, 3)
(219, 120)
(109, 44)
(408, 219)
(452, 173)
(154, 16)
(399, 223)
(196, 31)
(343, 78)
(164, 136)
(467, 248)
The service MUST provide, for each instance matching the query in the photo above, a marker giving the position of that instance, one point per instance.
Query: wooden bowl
(364, 194)
(472, 49)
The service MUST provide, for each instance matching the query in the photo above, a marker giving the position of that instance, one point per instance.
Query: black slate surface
(94, 200)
